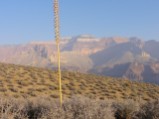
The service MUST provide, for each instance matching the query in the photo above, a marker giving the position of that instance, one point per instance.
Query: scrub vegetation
(32, 93)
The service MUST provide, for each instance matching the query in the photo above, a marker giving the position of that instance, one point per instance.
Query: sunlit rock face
(131, 58)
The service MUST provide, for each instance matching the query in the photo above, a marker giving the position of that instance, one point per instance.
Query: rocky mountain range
(130, 58)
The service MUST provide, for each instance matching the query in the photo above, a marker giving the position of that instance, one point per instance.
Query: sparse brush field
(19, 81)
(32, 93)
(76, 108)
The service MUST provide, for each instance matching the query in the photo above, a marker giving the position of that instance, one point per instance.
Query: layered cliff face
(131, 58)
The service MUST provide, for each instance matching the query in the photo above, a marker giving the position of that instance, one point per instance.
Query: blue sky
(22, 21)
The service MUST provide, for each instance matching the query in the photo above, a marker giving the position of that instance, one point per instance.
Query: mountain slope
(112, 56)
(20, 81)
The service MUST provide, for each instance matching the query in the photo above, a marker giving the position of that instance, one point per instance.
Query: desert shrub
(11, 109)
(36, 109)
(12, 89)
(101, 98)
(82, 108)
(39, 89)
(54, 96)
(150, 110)
(40, 108)
(3, 89)
(16, 96)
(125, 110)
(76, 108)
(53, 87)
(20, 87)
(31, 94)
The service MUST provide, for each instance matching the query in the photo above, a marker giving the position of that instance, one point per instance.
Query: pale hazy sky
(22, 21)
